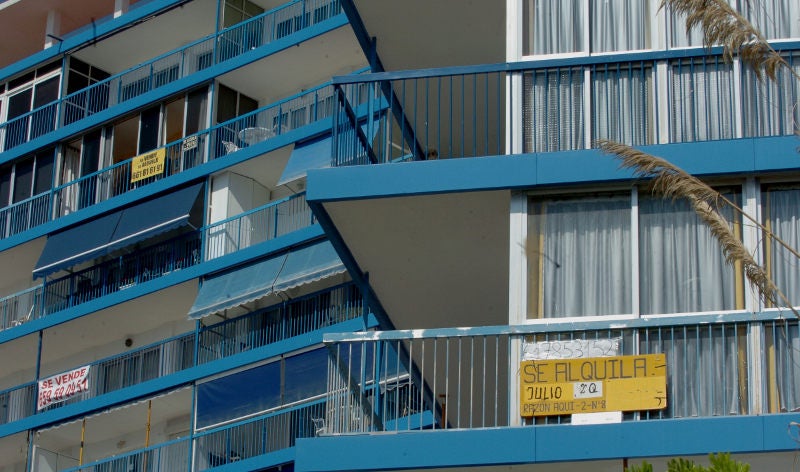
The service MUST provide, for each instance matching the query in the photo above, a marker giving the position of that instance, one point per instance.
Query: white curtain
(622, 99)
(784, 339)
(679, 37)
(776, 19)
(553, 27)
(783, 216)
(703, 376)
(702, 100)
(772, 108)
(583, 257)
(682, 268)
(553, 110)
(620, 25)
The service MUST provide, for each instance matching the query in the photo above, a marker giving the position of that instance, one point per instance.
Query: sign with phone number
(588, 385)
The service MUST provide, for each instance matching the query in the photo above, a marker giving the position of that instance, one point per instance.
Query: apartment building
(325, 235)
(165, 285)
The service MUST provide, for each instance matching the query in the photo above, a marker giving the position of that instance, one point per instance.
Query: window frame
(740, 299)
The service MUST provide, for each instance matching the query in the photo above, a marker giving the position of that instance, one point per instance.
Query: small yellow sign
(588, 385)
(148, 164)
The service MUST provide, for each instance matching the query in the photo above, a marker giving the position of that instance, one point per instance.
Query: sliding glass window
(781, 213)
(582, 258)
(562, 27)
(776, 19)
(577, 258)
(682, 268)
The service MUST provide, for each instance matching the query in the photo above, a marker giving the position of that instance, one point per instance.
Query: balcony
(199, 55)
(234, 443)
(192, 151)
(261, 224)
(176, 354)
(557, 105)
(469, 378)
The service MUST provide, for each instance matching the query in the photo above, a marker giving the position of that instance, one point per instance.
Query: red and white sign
(63, 386)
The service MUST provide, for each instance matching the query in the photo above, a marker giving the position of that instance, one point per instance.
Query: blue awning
(121, 228)
(260, 279)
(314, 154)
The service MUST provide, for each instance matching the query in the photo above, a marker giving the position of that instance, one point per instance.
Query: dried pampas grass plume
(670, 181)
(722, 25)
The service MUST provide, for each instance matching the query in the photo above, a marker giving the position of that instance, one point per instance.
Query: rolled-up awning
(121, 228)
(260, 279)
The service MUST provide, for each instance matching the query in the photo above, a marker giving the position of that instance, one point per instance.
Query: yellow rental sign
(567, 386)
(148, 164)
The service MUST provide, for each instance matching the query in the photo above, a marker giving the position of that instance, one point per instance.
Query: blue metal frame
(162, 92)
(542, 444)
(178, 379)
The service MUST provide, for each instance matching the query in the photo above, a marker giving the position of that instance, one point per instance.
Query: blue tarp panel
(314, 154)
(255, 390)
(121, 228)
(262, 278)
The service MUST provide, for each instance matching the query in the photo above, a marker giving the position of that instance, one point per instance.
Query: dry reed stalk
(722, 25)
(669, 181)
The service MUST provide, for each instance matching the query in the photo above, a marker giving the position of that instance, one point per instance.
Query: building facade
(263, 235)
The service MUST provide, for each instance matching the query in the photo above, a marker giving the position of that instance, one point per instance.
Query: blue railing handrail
(553, 325)
(277, 411)
(32, 383)
(210, 38)
(20, 293)
(127, 454)
(310, 296)
(141, 349)
(250, 212)
(546, 63)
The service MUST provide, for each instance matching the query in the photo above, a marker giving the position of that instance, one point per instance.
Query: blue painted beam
(545, 444)
(529, 171)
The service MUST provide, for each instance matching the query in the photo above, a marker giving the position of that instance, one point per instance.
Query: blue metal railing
(216, 142)
(18, 402)
(172, 455)
(462, 376)
(122, 272)
(233, 234)
(257, 225)
(566, 104)
(300, 316)
(167, 68)
(134, 367)
(258, 436)
(20, 307)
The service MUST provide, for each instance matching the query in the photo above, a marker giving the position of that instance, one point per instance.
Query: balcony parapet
(464, 378)
(557, 104)
(214, 143)
(303, 315)
(261, 224)
(272, 25)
